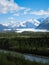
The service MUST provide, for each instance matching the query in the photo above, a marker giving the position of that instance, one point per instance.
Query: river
(36, 58)
(30, 57)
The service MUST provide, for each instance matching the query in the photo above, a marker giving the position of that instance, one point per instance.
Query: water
(36, 58)
(30, 57)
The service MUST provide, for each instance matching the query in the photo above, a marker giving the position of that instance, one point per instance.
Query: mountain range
(44, 24)
(34, 24)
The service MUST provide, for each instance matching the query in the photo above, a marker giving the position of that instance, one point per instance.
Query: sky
(15, 11)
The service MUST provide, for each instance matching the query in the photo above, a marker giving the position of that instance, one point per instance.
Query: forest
(26, 42)
(36, 43)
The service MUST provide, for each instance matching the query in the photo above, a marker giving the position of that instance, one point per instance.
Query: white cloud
(11, 18)
(9, 6)
(16, 14)
(26, 10)
(5, 23)
(40, 12)
(10, 24)
(32, 30)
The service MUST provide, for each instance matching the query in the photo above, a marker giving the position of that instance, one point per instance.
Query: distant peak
(47, 18)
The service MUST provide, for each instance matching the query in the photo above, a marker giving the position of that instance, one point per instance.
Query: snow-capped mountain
(28, 25)
(44, 24)
(32, 23)
(2, 27)
(40, 20)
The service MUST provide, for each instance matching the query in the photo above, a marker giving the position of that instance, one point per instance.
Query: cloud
(10, 24)
(5, 23)
(27, 10)
(40, 12)
(16, 14)
(32, 30)
(11, 18)
(9, 6)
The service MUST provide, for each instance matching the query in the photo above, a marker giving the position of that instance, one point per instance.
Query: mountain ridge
(44, 24)
(39, 24)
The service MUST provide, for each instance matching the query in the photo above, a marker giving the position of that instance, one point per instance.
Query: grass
(16, 59)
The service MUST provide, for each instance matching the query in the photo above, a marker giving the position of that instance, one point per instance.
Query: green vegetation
(27, 42)
(24, 34)
(16, 59)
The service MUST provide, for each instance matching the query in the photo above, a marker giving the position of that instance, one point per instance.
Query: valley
(34, 45)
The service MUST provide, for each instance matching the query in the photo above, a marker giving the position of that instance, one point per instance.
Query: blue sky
(20, 10)
(34, 4)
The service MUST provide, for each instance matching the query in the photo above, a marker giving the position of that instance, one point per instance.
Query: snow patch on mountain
(30, 23)
(34, 22)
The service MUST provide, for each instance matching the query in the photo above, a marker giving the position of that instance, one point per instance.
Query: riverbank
(33, 52)
(14, 58)
(30, 57)
(32, 43)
